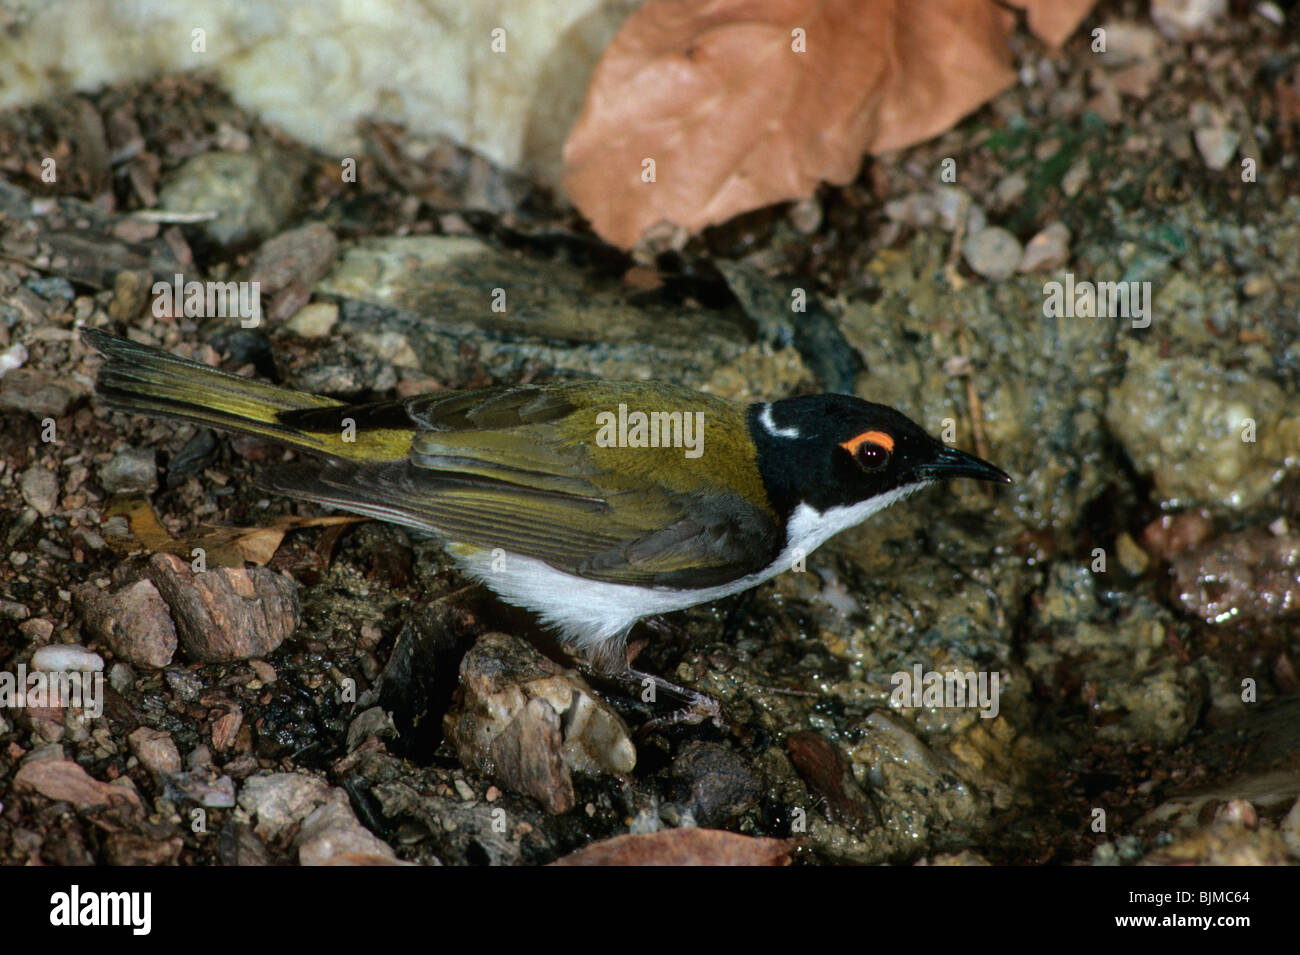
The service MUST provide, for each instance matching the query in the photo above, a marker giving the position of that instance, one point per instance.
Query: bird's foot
(699, 706)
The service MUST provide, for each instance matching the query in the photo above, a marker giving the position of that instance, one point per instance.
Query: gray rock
(40, 489)
(993, 252)
(253, 193)
(132, 469)
(33, 391)
(280, 801)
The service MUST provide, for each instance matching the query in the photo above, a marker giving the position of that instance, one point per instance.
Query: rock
(132, 848)
(226, 613)
(952, 205)
(280, 801)
(1187, 19)
(1009, 190)
(202, 786)
(131, 288)
(64, 780)
(333, 834)
(917, 210)
(1047, 250)
(1169, 535)
(1217, 145)
(1128, 43)
(1290, 829)
(315, 320)
(253, 193)
(993, 252)
(1249, 575)
(226, 729)
(1132, 558)
(37, 629)
(674, 847)
(1114, 644)
(301, 255)
(828, 774)
(713, 783)
(528, 723)
(372, 722)
(13, 610)
(11, 359)
(134, 621)
(1076, 177)
(156, 750)
(129, 470)
(41, 396)
(66, 658)
(556, 316)
(1248, 427)
(40, 489)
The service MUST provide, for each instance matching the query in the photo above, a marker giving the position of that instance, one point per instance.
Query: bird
(593, 504)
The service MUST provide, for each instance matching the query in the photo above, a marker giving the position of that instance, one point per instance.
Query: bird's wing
(519, 468)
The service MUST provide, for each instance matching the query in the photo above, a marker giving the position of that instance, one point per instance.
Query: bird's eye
(871, 457)
(871, 449)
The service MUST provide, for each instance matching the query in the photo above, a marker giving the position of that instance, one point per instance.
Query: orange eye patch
(869, 437)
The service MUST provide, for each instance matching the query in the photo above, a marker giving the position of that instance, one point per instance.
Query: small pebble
(1186, 19)
(1217, 145)
(40, 489)
(1047, 250)
(992, 252)
(314, 320)
(66, 657)
(1076, 177)
(133, 469)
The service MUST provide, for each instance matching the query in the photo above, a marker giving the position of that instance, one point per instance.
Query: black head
(837, 450)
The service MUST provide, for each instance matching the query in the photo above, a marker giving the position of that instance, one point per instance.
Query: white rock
(1128, 43)
(66, 658)
(1217, 145)
(1184, 19)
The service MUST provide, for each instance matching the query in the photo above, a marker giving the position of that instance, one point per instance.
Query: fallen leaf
(682, 847)
(221, 546)
(742, 103)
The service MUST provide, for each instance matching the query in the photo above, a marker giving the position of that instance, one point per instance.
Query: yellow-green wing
(520, 468)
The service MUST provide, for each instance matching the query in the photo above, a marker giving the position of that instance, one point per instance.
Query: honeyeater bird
(593, 504)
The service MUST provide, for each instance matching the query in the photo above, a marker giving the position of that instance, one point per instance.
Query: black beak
(951, 463)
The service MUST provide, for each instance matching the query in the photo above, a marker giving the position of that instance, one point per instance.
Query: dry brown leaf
(1052, 21)
(682, 847)
(735, 117)
(221, 546)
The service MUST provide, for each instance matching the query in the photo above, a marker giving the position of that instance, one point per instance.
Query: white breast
(589, 613)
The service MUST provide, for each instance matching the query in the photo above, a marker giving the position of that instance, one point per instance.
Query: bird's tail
(150, 381)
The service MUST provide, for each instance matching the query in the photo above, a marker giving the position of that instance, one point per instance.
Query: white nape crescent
(771, 427)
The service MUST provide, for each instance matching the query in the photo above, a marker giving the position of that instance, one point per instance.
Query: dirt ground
(321, 731)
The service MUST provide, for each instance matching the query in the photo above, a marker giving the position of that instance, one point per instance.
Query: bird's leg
(699, 706)
(666, 628)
